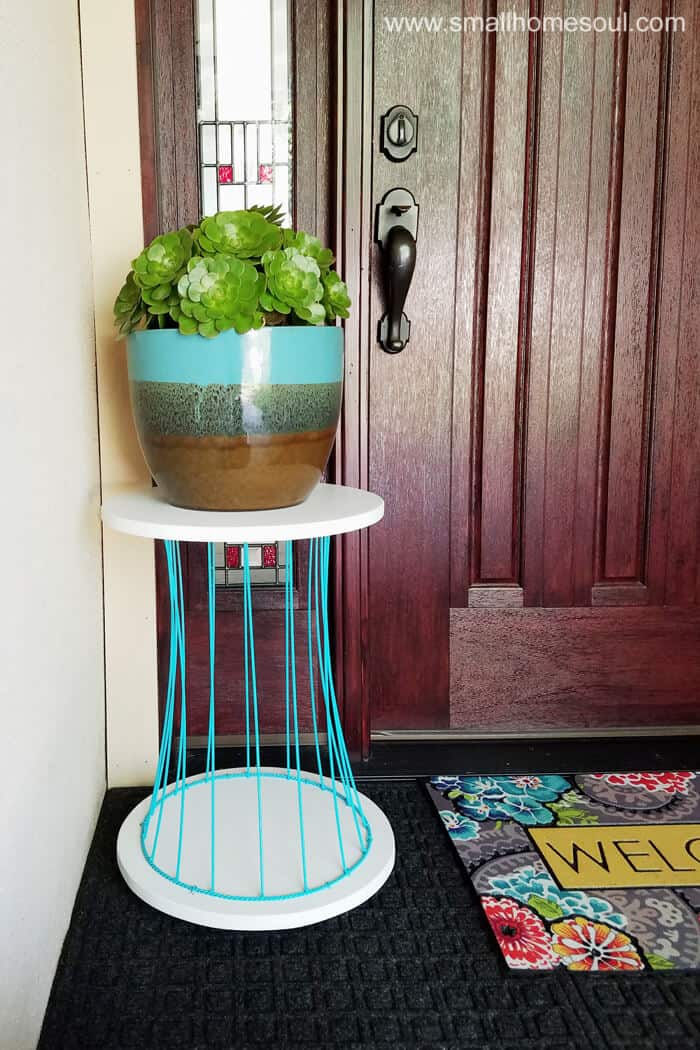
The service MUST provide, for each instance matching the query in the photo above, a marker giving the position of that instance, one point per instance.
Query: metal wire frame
(337, 779)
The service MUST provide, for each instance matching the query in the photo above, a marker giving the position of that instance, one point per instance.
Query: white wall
(51, 628)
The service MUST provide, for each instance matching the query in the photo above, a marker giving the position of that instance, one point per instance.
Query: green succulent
(293, 284)
(245, 234)
(308, 245)
(271, 212)
(129, 307)
(218, 293)
(336, 300)
(163, 261)
(236, 269)
(162, 302)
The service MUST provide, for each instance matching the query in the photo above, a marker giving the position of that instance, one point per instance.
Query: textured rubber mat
(416, 968)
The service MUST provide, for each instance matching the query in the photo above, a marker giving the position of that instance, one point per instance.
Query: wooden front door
(537, 442)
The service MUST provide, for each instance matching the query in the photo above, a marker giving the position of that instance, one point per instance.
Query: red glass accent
(225, 174)
(269, 553)
(233, 557)
(265, 173)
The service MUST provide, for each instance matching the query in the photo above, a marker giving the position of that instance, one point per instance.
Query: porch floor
(413, 969)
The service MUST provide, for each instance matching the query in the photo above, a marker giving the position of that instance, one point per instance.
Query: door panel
(410, 393)
(530, 670)
(537, 441)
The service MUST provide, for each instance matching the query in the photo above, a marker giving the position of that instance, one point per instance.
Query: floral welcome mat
(593, 872)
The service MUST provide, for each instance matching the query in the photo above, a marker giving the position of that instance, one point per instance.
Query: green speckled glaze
(233, 410)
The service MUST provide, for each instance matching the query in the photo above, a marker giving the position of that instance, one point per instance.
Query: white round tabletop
(328, 511)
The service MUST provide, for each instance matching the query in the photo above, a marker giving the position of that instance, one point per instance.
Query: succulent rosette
(336, 300)
(218, 293)
(309, 245)
(293, 285)
(161, 263)
(245, 234)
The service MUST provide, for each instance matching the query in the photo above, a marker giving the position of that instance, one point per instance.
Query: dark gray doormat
(413, 969)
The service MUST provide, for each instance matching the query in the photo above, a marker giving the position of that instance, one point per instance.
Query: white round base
(237, 858)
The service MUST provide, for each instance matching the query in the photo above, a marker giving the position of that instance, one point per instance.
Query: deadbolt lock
(399, 133)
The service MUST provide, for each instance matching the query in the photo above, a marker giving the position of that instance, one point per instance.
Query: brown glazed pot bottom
(252, 472)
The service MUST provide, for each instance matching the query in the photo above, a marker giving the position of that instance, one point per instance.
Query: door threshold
(420, 756)
(416, 735)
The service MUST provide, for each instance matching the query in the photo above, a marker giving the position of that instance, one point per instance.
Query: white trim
(108, 43)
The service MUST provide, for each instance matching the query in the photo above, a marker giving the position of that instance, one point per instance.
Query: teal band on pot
(295, 354)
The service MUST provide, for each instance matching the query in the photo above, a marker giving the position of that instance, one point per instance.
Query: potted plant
(235, 362)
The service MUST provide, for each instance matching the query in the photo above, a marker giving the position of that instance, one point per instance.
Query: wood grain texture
(546, 669)
(632, 367)
(163, 74)
(599, 196)
(184, 111)
(572, 199)
(471, 289)
(411, 392)
(674, 534)
(353, 225)
(491, 596)
(167, 114)
(503, 374)
(147, 142)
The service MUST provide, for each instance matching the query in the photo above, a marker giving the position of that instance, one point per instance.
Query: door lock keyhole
(399, 133)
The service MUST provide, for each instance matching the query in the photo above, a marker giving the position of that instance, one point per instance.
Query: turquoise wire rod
(343, 758)
(211, 742)
(181, 776)
(325, 670)
(169, 694)
(291, 668)
(166, 735)
(176, 628)
(248, 615)
(246, 675)
(329, 674)
(287, 643)
(312, 687)
(329, 728)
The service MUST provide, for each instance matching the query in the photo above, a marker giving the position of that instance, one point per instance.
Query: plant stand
(255, 848)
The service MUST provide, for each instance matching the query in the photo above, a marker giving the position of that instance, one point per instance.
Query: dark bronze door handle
(399, 264)
(397, 227)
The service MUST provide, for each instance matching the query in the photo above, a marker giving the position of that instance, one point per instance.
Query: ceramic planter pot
(238, 422)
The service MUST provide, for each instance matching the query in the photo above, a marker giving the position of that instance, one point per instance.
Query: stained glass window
(244, 142)
(243, 111)
(266, 560)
